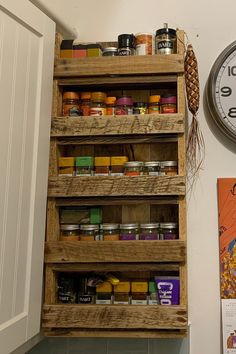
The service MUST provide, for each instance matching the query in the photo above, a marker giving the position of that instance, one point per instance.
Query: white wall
(210, 27)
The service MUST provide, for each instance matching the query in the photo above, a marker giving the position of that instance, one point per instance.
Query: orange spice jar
(154, 104)
(143, 44)
(89, 232)
(66, 166)
(69, 232)
(109, 232)
(85, 103)
(70, 104)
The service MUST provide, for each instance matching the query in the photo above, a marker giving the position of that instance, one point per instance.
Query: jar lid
(118, 160)
(149, 226)
(143, 34)
(110, 100)
(102, 161)
(98, 96)
(140, 104)
(126, 40)
(168, 99)
(70, 95)
(169, 225)
(152, 163)
(133, 164)
(154, 98)
(110, 50)
(69, 227)
(109, 226)
(66, 161)
(85, 95)
(166, 30)
(129, 226)
(168, 163)
(124, 100)
(89, 227)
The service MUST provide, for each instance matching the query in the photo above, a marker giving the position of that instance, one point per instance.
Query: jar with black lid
(165, 40)
(126, 44)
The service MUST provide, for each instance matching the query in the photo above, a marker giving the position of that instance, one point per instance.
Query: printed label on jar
(154, 173)
(148, 237)
(132, 173)
(154, 110)
(97, 111)
(124, 52)
(103, 302)
(141, 49)
(139, 302)
(168, 109)
(165, 47)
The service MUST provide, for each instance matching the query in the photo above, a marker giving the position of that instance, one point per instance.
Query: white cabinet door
(26, 69)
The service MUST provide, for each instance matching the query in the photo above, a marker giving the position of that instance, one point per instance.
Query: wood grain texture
(129, 65)
(52, 227)
(117, 125)
(50, 286)
(116, 317)
(115, 186)
(115, 251)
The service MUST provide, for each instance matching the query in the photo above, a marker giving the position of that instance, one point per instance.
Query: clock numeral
(225, 91)
(231, 70)
(232, 112)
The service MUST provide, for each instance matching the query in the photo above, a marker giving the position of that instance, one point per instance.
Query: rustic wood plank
(53, 227)
(58, 40)
(180, 42)
(53, 158)
(129, 65)
(115, 186)
(116, 333)
(117, 125)
(115, 251)
(50, 286)
(118, 316)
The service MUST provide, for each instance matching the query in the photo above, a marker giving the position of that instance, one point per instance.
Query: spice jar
(124, 105)
(168, 231)
(98, 107)
(102, 165)
(85, 103)
(84, 166)
(110, 52)
(110, 105)
(104, 293)
(153, 296)
(86, 294)
(143, 44)
(152, 168)
(129, 232)
(133, 168)
(89, 232)
(125, 44)
(69, 232)
(149, 231)
(169, 168)
(154, 104)
(139, 292)
(70, 104)
(121, 293)
(66, 290)
(165, 40)
(140, 108)
(117, 165)
(168, 104)
(109, 232)
(66, 166)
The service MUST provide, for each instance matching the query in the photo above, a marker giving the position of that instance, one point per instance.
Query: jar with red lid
(168, 104)
(124, 105)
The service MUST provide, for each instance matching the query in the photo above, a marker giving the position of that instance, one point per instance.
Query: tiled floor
(110, 346)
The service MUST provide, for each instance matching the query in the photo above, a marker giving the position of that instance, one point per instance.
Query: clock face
(221, 91)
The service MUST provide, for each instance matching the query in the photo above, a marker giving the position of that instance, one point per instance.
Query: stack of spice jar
(122, 232)
(114, 166)
(99, 104)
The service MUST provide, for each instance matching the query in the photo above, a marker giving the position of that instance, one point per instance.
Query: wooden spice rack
(152, 137)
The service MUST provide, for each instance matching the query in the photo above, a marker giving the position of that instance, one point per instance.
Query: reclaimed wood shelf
(115, 186)
(118, 125)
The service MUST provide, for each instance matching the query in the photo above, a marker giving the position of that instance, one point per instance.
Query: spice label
(121, 303)
(141, 49)
(154, 173)
(103, 302)
(152, 302)
(116, 174)
(139, 302)
(97, 111)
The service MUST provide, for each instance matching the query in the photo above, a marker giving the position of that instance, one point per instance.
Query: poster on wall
(227, 245)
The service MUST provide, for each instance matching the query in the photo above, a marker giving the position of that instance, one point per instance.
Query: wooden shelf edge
(115, 251)
(117, 125)
(114, 317)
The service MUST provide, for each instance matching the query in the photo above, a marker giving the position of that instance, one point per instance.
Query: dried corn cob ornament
(195, 143)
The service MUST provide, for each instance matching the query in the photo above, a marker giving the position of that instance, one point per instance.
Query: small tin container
(102, 165)
(129, 232)
(69, 232)
(149, 231)
(168, 231)
(143, 43)
(121, 293)
(89, 232)
(84, 166)
(169, 168)
(152, 168)
(117, 165)
(124, 106)
(104, 293)
(66, 166)
(165, 40)
(168, 104)
(110, 52)
(140, 108)
(133, 168)
(109, 232)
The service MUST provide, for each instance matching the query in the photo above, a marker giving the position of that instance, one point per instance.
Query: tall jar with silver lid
(165, 40)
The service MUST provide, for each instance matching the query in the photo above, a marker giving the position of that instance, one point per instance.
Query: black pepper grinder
(126, 44)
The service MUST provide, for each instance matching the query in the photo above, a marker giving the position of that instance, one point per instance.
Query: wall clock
(221, 91)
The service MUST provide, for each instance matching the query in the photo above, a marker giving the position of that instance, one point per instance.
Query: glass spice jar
(85, 103)
(66, 290)
(69, 232)
(153, 296)
(168, 104)
(169, 168)
(98, 107)
(89, 232)
(139, 292)
(126, 44)
(104, 293)
(110, 106)
(70, 104)
(149, 231)
(140, 108)
(109, 232)
(129, 232)
(152, 168)
(110, 52)
(121, 293)
(168, 231)
(84, 166)
(154, 104)
(102, 165)
(143, 44)
(66, 166)
(124, 106)
(165, 40)
(133, 168)
(117, 165)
